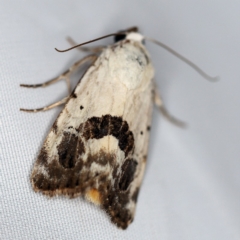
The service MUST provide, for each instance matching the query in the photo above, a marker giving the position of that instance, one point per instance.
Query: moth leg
(159, 103)
(64, 100)
(96, 49)
(64, 75)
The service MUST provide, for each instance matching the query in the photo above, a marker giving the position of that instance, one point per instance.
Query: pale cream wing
(98, 144)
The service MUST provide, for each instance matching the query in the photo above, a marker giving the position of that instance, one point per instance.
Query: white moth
(98, 145)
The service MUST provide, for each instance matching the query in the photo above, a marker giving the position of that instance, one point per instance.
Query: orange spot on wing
(93, 195)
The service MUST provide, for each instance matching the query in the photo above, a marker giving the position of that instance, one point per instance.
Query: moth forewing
(97, 146)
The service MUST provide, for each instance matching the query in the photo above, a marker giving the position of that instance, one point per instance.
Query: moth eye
(119, 37)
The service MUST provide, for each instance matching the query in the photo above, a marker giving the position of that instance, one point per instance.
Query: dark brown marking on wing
(43, 157)
(114, 202)
(115, 197)
(60, 181)
(114, 194)
(80, 147)
(101, 158)
(135, 195)
(126, 139)
(67, 150)
(104, 126)
(128, 171)
(115, 170)
(91, 128)
(115, 125)
(71, 181)
(70, 175)
(55, 127)
(99, 127)
(81, 107)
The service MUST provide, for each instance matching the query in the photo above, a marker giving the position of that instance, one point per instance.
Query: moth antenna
(190, 63)
(94, 40)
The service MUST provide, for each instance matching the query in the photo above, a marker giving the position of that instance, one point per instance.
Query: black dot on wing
(141, 132)
(81, 107)
(74, 95)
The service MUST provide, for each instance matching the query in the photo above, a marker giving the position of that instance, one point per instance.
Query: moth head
(130, 33)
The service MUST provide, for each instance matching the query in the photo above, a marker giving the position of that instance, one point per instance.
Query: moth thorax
(135, 36)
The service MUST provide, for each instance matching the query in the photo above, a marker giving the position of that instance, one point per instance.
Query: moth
(98, 145)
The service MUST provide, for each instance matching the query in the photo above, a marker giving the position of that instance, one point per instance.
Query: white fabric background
(191, 186)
